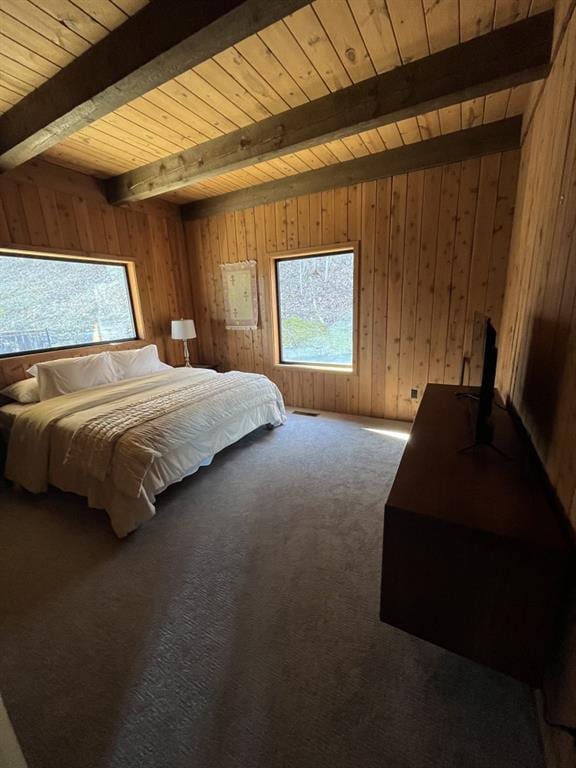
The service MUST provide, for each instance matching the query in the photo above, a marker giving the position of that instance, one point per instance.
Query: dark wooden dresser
(476, 558)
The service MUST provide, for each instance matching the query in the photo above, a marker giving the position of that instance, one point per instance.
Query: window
(51, 303)
(315, 309)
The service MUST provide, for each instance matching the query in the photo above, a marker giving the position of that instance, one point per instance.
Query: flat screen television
(484, 427)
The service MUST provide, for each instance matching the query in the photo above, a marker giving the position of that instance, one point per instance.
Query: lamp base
(186, 354)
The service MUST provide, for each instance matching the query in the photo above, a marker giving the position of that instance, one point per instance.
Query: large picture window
(53, 303)
(315, 309)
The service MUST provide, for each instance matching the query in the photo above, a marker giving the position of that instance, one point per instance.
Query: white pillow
(59, 377)
(131, 363)
(25, 391)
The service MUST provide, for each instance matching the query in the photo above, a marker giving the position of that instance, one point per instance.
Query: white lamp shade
(183, 329)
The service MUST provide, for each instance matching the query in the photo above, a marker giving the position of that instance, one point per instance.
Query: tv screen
(484, 429)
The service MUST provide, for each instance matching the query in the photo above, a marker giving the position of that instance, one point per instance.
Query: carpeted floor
(239, 628)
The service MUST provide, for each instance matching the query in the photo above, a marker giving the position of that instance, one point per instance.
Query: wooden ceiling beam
(160, 42)
(510, 56)
(501, 136)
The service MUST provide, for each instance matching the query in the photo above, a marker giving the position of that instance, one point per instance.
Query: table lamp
(184, 330)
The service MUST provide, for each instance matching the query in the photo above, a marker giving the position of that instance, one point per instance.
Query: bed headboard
(14, 368)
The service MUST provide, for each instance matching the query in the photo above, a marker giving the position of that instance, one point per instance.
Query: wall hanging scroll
(240, 295)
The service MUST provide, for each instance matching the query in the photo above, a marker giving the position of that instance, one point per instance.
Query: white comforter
(178, 441)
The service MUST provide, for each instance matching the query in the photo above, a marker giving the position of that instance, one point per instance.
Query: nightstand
(210, 366)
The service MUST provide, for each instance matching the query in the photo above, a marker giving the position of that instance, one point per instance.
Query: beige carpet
(239, 628)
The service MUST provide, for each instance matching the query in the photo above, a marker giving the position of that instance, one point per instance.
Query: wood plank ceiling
(322, 48)
(40, 37)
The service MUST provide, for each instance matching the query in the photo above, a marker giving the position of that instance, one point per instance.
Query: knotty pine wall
(45, 206)
(538, 343)
(433, 249)
(537, 361)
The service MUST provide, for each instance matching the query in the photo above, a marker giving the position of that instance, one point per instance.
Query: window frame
(61, 255)
(315, 251)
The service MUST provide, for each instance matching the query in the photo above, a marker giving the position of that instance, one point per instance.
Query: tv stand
(475, 556)
(488, 437)
(485, 445)
(467, 395)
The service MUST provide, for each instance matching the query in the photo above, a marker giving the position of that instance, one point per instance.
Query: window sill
(315, 368)
(78, 350)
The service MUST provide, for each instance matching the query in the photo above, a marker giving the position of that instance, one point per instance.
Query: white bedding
(183, 439)
(8, 414)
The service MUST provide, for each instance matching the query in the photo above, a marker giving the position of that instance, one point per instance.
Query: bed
(121, 444)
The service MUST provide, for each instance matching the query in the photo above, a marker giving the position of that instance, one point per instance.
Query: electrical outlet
(414, 394)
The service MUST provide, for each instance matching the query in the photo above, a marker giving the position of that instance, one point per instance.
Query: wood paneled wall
(538, 340)
(537, 360)
(43, 206)
(433, 249)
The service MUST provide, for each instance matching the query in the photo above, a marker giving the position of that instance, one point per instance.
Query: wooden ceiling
(322, 48)
(40, 37)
